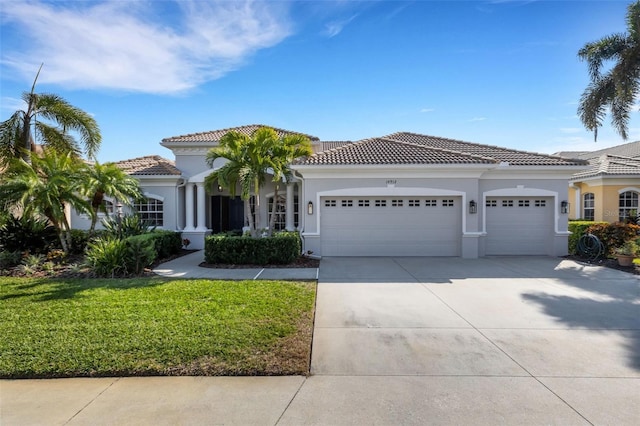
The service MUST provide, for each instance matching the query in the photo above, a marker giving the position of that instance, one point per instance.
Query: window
(447, 203)
(540, 203)
(430, 203)
(396, 203)
(363, 203)
(381, 203)
(507, 203)
(491, 203)
(628, 205)
(588, 206)
(150, 211)
(347, 203)
(523, 203)
(281, 212)
(414, 203)
(329, 203)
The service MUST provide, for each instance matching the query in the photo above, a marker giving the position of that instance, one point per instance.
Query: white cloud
(133, 46)
(12, 104)
(334, 28)
(427, 110)
(477, 119)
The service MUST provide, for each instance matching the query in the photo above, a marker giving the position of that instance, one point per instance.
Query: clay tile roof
(149, 165)
(511, 156)
(387, 151)
(214, 136)
(332, 144)
(610, 165)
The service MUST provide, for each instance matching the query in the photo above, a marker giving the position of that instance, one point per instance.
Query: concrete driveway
(516, 340)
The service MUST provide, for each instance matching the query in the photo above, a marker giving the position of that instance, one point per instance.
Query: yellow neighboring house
(609, 189)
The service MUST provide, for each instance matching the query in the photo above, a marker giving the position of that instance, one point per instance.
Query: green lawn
(153, 326)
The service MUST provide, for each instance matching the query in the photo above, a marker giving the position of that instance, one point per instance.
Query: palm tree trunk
(257, 207)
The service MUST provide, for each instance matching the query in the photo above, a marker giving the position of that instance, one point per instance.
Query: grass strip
(153, 326)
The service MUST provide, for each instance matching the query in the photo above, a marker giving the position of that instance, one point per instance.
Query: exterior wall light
(220, 188)
(473, 207)
(564, 207)
(310, 208)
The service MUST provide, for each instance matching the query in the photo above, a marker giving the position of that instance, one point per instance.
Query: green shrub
(127, 226)
(141, 252)
(167, 243)
(282, 248)
(9, 259)
(107, 257)
(578, 228)
(614, 235)
(28, 234)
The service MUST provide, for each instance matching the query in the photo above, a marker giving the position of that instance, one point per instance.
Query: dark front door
(227, 213)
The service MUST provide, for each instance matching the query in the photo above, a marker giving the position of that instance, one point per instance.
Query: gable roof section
(387, 151)
(214, 136)
(631, 149)
(511, 156)
(610, 165)
(151, 165)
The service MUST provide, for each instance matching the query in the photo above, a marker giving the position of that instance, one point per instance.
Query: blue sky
(494, 72)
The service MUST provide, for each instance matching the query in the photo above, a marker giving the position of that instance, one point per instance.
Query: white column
(188, 207)
(201, 206)
(289, 218)
(578, 202)
(302, 211)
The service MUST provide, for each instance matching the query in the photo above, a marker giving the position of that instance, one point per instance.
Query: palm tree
(19, 133)
(100, 180)
(620, 84)
(45, 187)
(284, 151)
(248, 161)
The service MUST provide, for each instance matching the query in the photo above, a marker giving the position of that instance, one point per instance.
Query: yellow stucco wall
(606, 193)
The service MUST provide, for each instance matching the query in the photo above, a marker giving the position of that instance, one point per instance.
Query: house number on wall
(391, 182)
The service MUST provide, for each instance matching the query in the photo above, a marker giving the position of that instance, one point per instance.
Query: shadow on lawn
(618, 311)
(46, 289)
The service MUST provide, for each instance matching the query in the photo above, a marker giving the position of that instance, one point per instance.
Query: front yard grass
(153, 326)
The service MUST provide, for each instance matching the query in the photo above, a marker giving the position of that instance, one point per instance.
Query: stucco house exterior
(402, 194)
(608, 190)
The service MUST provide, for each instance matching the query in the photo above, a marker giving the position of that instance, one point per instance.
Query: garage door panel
(429, 227)
(519, 226)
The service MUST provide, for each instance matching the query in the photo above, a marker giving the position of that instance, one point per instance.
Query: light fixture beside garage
(564, 207)
(310, 208)
(473, 207)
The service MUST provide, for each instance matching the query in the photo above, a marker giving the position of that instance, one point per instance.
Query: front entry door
(227, 213)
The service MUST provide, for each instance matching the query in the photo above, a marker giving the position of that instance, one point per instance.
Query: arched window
(151, 211)
(628, 202)
(588, 206)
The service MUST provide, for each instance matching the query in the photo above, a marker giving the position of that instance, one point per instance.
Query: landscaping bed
(154, 326)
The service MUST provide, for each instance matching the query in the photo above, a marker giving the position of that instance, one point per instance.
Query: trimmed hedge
(614, 235)
(578, 228)
(280, 249)
(166, 243)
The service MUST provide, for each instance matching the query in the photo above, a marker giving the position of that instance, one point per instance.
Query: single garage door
(391, 226)
(519, 226)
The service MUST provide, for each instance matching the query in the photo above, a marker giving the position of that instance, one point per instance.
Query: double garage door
(391, 226)
(431, 226)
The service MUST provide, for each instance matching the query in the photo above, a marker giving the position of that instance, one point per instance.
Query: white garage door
(519, 226)
(390, 226)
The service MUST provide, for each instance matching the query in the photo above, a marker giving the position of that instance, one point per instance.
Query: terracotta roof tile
(149, 165)
(214, 136)
(631, 149)
(511, 156)
(387, 151)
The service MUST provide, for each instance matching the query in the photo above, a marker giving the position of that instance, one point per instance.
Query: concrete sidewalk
(530, 340)
(187, 267)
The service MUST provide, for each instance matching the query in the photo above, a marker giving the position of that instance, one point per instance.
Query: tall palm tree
(284, 151)
(45, 186)
(248, 161)
(617, 87)
(20, 132)
(100, 180)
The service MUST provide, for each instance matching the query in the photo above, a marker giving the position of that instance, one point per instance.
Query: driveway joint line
(259, 273)
(92, 400)
(291, 400)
